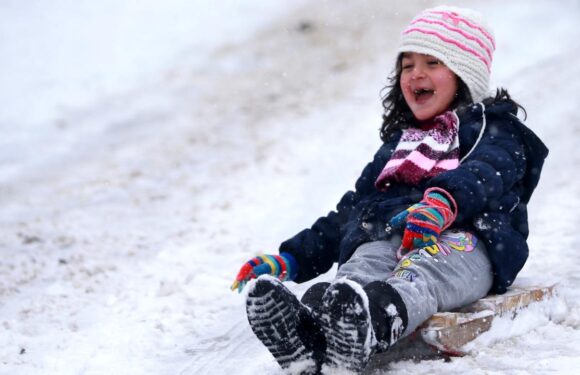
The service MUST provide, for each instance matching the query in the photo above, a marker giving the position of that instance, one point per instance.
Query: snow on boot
(388, 313)
(275, 315)
(346, 323)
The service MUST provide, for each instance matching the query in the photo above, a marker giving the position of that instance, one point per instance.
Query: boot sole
(273, 316)
(347, 328)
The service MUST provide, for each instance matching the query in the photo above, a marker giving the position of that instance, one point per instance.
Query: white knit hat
(459, 38)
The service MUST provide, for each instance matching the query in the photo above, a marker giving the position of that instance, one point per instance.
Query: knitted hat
(459, 38)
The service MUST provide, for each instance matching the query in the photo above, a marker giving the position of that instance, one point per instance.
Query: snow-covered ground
(149, 148)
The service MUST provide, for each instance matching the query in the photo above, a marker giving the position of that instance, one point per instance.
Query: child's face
(428, 85)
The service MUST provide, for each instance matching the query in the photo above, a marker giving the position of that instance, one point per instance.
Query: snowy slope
(133, 191)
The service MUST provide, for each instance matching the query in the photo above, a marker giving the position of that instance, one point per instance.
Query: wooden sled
(444, 334)
(449, 332)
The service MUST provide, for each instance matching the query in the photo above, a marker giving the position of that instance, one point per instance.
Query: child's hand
(425, 220)
(282, 266)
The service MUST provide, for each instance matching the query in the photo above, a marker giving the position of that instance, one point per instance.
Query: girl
(436, 221)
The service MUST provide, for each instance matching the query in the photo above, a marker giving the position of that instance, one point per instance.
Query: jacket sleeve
(317, 248)
(493, 168)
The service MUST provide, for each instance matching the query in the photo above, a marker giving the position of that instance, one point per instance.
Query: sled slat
(449, 331)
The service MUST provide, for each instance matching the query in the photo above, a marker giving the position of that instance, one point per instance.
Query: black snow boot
(288, 328)
(388, 313)
(346, 322)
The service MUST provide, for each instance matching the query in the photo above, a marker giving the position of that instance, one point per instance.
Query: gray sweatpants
(451, 274)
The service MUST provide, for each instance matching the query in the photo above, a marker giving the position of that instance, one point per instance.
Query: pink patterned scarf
(423, 152)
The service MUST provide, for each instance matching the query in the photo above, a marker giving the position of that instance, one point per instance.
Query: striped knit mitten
(282, 266)
(425, 220)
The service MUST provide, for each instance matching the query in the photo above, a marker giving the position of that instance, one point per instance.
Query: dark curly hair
(398, 115)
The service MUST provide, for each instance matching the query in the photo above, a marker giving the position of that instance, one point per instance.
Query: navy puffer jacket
(491, 186)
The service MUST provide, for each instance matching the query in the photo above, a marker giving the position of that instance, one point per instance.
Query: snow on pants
(453, 273)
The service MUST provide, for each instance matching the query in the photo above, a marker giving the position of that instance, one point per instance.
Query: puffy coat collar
(475, 111)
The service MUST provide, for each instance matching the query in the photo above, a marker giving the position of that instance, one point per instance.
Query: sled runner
(444, 334)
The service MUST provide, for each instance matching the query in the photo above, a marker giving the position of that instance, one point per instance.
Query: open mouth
(422, 95)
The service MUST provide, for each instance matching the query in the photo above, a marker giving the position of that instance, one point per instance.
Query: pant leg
(451, 274)
(371, 261)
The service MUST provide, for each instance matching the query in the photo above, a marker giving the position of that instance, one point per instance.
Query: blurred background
(148, 148)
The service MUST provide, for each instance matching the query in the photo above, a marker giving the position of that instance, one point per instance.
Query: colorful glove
(282, 266)
(425, 220)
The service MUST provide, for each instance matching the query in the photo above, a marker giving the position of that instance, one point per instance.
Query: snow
(149, 148)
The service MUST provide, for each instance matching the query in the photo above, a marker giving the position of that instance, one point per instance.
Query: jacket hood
(535, 150)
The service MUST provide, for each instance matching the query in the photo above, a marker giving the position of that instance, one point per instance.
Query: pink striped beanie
(459, 38)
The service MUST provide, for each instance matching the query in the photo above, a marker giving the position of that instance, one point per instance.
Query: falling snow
(149, 148)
